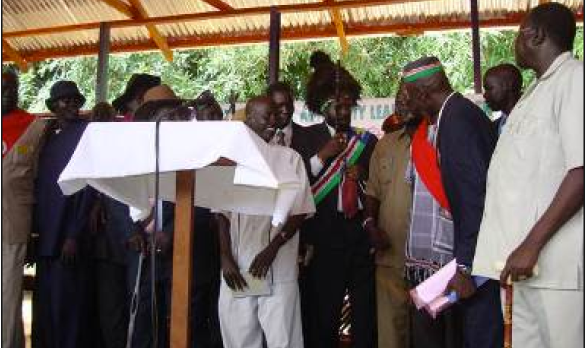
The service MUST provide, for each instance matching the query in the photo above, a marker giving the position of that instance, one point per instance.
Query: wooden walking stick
(508, 290)
(508, 295)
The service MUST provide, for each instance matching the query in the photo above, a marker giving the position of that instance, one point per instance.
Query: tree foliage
(376, 63)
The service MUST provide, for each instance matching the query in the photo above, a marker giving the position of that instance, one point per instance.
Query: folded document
(432, 293)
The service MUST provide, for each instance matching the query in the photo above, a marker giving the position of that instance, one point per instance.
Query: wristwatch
(465, 270)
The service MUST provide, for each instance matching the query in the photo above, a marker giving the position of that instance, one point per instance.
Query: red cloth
(13, 126)
(349, 197)
(424, 156)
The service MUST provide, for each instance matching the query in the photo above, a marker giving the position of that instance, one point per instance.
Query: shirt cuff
(316, 165)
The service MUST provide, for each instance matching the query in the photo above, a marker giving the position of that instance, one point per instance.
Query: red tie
(349, 197)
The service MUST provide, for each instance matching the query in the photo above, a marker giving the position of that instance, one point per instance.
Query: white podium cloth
(118, 159)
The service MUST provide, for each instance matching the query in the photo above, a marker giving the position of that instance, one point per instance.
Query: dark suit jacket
(466, 141)
(321, 226)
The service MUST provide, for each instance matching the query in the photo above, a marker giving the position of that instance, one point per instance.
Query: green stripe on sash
(335, 179)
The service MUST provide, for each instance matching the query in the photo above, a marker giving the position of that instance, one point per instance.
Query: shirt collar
(287, 130)
(556, 64)
(330, 129)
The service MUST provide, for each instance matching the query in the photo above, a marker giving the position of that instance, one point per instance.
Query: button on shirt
(541, 142)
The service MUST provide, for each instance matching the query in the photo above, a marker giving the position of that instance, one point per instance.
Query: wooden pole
(101, 91)
(476, 46)
(274, 46)
(182, 260)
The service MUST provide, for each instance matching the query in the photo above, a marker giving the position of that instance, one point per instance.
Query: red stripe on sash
(425, 161)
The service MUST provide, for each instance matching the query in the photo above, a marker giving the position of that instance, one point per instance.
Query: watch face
(464, 269)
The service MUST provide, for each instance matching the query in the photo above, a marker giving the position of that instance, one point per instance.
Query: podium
(216, 165)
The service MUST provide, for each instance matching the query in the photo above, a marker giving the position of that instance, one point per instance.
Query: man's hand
(231, 274)
(162, 242)
(462, 284)
(69, 251)
(354, 172)
(137, 242)
(333, 147)
(379, 240)
(520, 264)
(262, 262)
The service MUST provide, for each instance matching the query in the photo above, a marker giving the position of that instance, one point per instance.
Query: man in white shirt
(534, 202)
(259, 294)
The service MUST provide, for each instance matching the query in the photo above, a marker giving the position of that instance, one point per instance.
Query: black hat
(137, 83)
(64, 89)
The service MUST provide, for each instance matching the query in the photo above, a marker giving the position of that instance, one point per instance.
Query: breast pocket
(20, 174)
(528, 136)
(386, 170)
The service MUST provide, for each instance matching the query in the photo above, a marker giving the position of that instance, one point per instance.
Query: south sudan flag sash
(332, 176)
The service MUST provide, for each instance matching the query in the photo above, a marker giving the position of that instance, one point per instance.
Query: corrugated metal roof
(371, 17)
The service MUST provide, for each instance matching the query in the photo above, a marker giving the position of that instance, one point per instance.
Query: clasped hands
(259, 267)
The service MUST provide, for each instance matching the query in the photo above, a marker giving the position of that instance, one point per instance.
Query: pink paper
(436, 285)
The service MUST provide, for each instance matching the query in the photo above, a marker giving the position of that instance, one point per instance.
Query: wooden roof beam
(14, 56)
(335, 14)
(121, 7)
(287, 34)
(192, 17)
(154, 33)
(136, 11)
(218, 4)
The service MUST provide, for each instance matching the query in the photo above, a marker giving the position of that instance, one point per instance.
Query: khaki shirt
(387, 183)
(541, 142)
(19, 168)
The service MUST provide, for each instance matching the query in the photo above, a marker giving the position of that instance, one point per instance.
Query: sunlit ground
(27, 310)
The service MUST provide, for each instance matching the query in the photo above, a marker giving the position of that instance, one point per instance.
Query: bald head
(260, 117)
(9, 92)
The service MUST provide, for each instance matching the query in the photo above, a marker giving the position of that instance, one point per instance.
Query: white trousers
(13, 256)
(547, 318)
(243, 320)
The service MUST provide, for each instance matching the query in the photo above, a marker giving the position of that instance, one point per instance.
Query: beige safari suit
(387, 184)
(18, 176)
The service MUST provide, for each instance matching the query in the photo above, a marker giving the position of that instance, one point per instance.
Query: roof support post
(274, 46)
(101, 91)
(476, 46)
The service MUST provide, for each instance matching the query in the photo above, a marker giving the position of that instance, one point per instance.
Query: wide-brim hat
(64, 89)
(137, 83)
(159, 92)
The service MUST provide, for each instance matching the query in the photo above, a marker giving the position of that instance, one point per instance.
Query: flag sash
(332, 176)
(425, 161)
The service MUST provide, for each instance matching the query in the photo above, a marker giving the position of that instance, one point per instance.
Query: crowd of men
(374, 218)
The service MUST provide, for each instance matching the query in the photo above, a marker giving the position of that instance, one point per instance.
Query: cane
(134, 302)
(508, 290)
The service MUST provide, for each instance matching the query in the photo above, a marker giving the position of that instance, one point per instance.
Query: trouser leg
(13, 256)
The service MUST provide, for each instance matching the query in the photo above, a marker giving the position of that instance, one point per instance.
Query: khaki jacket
(19, 168)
